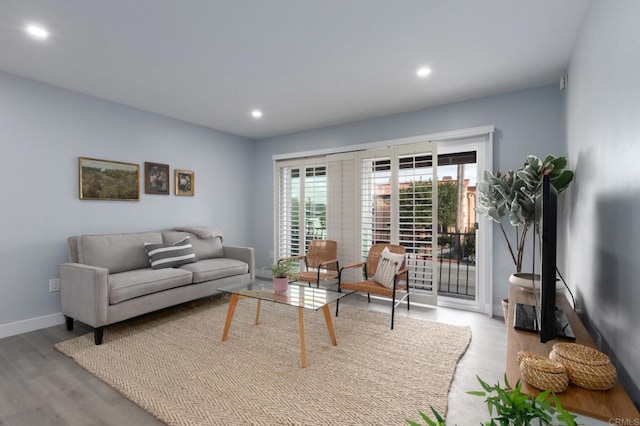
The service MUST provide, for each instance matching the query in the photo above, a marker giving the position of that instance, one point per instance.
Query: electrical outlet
(54, 285)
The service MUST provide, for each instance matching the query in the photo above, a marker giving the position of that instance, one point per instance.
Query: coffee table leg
(303, 348)
(258, 312)
(327, 318)
(232, 308)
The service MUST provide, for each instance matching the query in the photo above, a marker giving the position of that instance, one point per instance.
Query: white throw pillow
(388, 266)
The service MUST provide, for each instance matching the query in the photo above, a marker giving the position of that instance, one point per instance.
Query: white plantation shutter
(315, 202)
(399, 205)
(375, 199)
(373, 196)
(288, 231)
(380, 195)
(301, 205)
(417, 212)
(342, 212)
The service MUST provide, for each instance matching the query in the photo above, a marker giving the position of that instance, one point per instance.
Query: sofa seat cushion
(213, 269)
(140, 282)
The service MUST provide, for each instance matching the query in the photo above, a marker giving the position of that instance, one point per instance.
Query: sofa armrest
(244, 254)
(84, 293)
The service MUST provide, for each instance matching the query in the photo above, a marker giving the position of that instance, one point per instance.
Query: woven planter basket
(543, 373)
(586, 367)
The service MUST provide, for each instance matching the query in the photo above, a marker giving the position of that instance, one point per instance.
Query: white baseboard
(32, 324)
(497, 311)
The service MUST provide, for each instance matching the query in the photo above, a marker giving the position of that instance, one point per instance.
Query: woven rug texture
(174, 365)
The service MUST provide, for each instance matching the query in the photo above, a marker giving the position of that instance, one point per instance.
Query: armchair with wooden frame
(320, 262)
(369, 286)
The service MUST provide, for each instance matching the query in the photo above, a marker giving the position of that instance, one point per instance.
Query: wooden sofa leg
(97, 335)
(69, 323)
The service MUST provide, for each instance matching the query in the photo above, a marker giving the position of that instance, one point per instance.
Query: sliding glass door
(397, 194)
(399, 206)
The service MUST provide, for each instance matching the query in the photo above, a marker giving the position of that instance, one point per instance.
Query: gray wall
(43, 131)
(603, 133)
(527, 122)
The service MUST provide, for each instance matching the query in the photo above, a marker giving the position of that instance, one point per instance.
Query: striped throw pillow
(170, 255)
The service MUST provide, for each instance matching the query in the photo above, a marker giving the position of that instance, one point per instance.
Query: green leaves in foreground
(427, 420)
(508, 406)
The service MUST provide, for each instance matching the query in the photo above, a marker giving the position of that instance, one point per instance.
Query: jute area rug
(174, 365)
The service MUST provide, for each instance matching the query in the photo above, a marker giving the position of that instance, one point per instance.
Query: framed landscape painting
(184, 181)
(108, 180)
(156, 178)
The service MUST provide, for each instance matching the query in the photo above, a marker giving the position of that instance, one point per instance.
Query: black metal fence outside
(456, 266)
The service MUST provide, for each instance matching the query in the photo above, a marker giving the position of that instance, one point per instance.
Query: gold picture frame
(156, 178)
(184, 182)
(108, 180)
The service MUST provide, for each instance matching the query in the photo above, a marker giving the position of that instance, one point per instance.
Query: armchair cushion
(388, 266)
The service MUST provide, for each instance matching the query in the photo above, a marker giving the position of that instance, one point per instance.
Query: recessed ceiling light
(37, 31)
(256, 113)
(423, 72)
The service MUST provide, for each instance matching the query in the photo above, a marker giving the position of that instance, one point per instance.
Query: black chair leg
(369, 297)
(408, 293)
(393, 308)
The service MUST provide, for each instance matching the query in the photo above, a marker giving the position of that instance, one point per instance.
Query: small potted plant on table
(282, 272)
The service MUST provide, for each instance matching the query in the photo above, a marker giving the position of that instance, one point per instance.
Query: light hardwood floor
(40, 386)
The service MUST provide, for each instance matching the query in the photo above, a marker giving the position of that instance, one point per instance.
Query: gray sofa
(109, 277)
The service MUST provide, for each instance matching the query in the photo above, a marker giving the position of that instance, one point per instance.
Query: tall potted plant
(518, 195)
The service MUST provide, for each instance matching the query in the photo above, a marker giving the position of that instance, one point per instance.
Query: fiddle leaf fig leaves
(518, 193)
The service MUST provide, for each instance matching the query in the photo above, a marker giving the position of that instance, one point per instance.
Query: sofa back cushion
(116, 252)
(209, 248)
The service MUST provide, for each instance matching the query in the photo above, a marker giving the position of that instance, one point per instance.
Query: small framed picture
(108, 180)
(156, 178)
(184, 182)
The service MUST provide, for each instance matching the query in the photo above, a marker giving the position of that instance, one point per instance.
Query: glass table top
(298, 294)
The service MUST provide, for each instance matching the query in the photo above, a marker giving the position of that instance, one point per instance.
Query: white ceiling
(305, 63)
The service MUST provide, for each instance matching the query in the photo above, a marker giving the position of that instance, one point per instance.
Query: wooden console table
(605, 405)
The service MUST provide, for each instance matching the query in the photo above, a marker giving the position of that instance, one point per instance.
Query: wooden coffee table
(299, 295)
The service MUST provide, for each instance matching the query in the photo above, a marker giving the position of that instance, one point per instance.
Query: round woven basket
(543, 373)
(586, 367)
